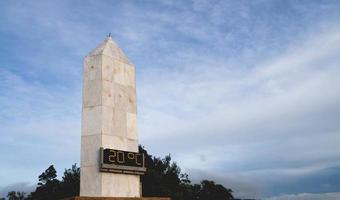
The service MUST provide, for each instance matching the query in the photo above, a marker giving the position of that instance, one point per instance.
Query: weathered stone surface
(90, 181)
(108, 93)
(130, 75)
(92, 68)
(124, 74)
(131, 121)
(125, 98)
(108, 68)
(118, 198)
(92, 93)
(119, 123)
(120, 185)
(91, 120)
(110, 48)
(121, 143)
(89, 147)
(108, 120)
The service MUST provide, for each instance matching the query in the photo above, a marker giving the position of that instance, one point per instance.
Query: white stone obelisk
(108, 120)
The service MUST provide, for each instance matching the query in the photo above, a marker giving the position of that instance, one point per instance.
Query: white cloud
(227, 87)
(308, 196)
(36, 121)
(209, 94)
(242, 186)
(282, 112)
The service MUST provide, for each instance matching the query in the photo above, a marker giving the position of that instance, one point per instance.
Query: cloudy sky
(246, 93)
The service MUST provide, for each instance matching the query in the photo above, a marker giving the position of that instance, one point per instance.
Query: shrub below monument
(162, 179)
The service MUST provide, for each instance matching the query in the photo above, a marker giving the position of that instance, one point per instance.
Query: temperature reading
(118, 161)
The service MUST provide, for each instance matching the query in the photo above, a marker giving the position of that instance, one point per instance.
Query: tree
(48, 186)
(70, 184)
(164, 178)
(209, 190)
(48, 176)
(12, 195)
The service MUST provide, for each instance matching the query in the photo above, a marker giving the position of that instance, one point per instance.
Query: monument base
(118, 198)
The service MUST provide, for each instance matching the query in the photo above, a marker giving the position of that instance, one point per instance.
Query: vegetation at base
(16, 195)
(162, 179)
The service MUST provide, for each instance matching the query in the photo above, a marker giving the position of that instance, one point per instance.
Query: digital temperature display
(117, 161)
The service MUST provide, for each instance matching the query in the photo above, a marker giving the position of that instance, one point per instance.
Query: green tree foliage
(48, 176)
(208, 190)
(48, 185)
(70, 184)
(51, 188)
(12, 195)
(163, 178)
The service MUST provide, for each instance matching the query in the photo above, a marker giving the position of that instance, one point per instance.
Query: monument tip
(109, 48)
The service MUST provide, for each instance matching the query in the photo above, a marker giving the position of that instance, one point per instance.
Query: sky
(245, 93)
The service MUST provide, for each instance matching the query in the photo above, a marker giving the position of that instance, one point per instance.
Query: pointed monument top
(109, 48)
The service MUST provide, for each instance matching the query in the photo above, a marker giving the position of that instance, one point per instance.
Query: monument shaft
(108, 120)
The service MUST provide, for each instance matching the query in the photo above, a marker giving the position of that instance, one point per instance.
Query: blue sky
(242, 92)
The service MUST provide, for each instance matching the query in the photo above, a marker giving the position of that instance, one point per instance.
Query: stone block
(107, 120)
(118, 73)
(124, 98)
(125, 185)
(131, 100)
(92, 120)
(93, 68)
(131, 121)
(113, 142)
(107, 93)
(129, 75)
(120, 143)
(119, 123)
(92, 93)
(132, 145)
(92, 75)
(118, 198)
(124, 74)
(90, 150)
(107, 68)
(90, 181)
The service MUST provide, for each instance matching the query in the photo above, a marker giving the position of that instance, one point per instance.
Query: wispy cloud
(245, 93)
(24, 187)
(278, 119)
(308, 196)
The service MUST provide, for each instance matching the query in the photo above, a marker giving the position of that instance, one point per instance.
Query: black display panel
(118, 161)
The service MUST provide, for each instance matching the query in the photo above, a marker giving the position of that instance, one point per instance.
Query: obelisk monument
(108, 121)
